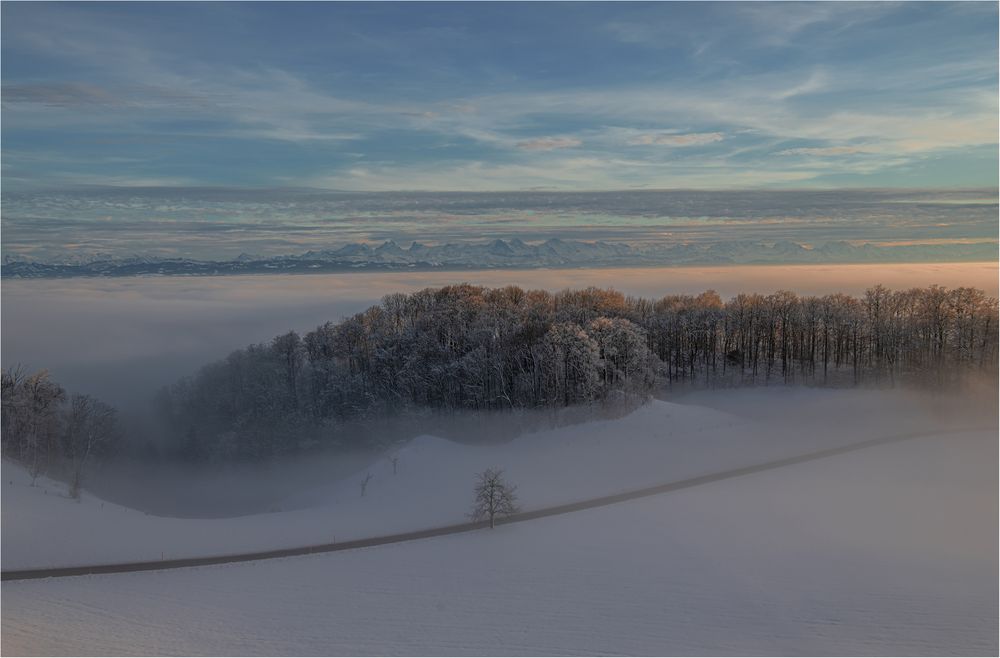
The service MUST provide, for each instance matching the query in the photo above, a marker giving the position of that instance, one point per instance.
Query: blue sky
(484, 96)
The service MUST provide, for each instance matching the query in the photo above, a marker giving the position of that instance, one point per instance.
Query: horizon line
(302, 188)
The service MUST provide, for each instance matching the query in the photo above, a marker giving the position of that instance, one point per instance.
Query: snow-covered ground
(658, 443)
(886, 551)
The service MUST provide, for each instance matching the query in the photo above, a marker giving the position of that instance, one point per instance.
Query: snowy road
(29, 574)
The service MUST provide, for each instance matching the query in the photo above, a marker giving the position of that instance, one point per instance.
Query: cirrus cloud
(676, 139)
(549, 143)
(824, 151)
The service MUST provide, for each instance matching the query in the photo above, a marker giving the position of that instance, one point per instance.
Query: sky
(498, 97)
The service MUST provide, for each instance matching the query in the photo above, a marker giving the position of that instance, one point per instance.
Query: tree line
(50, 431)
(467, 347)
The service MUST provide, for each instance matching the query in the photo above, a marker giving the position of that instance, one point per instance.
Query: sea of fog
(121, 339)
(219, 223)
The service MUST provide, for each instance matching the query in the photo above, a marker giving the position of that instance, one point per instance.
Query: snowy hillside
(886, 551)
(432, 486)
(660, 442)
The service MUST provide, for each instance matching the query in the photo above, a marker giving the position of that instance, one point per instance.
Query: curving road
(156, 565)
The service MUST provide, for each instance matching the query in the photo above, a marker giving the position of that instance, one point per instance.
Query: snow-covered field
(888, 550)
(658, 443)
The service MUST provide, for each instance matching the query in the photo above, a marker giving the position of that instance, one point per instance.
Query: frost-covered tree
(31, 418)
(90, 431)
(625, 359)
(47, 433)
(467, 347)
(494, 497)
(571, 362)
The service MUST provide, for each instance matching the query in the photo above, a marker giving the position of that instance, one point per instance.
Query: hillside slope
(660, 442)
(887, 551)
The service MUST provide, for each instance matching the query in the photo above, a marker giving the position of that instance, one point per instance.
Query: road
(157, 565)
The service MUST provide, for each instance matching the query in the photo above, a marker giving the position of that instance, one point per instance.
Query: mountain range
(499, 253)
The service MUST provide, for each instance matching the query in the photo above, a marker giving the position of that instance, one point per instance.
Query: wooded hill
(467, 347)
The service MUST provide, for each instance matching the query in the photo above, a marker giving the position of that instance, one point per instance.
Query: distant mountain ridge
(503, 254)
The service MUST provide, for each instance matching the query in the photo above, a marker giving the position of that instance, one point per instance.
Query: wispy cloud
(778, 23)
(676, 139)
(548, 143)
(554, 172)
(824, 151)
(101, 85)
(66, 94)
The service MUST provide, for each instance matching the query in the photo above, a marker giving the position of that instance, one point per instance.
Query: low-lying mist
(167, 487)
(793, 409)
(123, 340)
(796, 417)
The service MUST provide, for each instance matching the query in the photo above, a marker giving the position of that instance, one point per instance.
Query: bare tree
(494, 497)
(469, 347)
(395, 460)
(90, 429)
(43, 398)
(30, 418)
(364, 483)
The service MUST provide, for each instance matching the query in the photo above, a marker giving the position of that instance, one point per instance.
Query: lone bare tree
(494, 497)
(364, 483)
